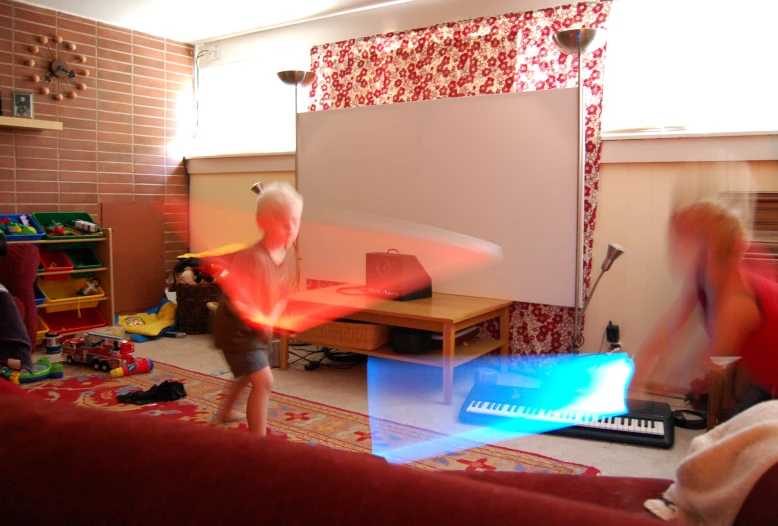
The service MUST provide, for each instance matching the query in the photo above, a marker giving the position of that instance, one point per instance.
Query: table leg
(283, 351)
(449, 341)
(505, 337)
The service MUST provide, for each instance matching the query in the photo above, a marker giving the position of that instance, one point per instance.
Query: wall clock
(60, 77)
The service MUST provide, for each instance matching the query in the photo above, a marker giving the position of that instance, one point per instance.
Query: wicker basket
(194, 317)
(349, 335)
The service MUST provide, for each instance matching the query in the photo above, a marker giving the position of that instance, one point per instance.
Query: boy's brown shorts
(245, 363)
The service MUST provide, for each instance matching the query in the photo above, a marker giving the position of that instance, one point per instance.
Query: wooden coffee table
(442, 313)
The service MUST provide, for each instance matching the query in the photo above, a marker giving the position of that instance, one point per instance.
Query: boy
(260, 279)
(738, 299)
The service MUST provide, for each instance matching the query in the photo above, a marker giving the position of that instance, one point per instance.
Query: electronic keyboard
(644, 424)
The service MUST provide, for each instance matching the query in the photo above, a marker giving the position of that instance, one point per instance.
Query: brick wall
(120, 136)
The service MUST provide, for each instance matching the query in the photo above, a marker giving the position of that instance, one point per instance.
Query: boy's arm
(736, 317)
(663, 333)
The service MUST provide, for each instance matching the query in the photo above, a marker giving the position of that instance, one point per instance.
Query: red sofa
(73, 465)
(18, 270)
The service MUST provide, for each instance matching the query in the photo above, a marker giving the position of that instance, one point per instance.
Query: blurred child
(260, 279)
(739, 301)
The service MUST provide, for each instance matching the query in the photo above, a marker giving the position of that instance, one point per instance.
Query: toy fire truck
(99, 350)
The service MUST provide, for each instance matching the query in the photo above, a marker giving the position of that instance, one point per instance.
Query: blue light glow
(411, 394)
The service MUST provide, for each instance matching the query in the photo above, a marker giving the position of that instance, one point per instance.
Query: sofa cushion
(20, 307)
(140, 469)
(621, 493)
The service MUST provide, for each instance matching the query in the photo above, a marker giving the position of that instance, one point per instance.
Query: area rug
(290, 418)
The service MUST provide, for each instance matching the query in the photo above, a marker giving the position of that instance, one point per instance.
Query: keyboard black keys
(644, 424)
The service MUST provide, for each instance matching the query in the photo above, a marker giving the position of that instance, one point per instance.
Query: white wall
(509, 178)
(289, 47)
(244, 108)
(682, 94)
(221, 203)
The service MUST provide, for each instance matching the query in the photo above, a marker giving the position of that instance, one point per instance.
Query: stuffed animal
(187, 277)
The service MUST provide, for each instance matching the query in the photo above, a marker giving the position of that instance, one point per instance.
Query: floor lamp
(578, 42)
(297, 79)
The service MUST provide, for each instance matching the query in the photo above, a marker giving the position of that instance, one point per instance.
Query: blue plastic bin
(40, 297)
(23, 237)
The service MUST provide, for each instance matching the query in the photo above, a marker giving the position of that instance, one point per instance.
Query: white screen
(501, 168)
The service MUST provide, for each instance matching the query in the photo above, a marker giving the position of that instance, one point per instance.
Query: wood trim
(669, 149)
(249, 163)
(396, 321)
(475, 320)
(58, 241)
(33, 124)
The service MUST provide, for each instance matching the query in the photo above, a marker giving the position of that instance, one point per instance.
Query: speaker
(394, 276)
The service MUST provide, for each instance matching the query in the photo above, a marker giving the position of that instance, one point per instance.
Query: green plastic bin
(66, 218)
(44, 218)
(83, 259)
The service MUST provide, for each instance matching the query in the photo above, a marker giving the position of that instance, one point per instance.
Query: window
(706, 65)
(244, 108)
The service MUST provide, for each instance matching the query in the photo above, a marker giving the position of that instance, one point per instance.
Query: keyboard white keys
(617, 423)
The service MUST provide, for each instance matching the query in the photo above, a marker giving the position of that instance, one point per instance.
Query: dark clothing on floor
(167, 391)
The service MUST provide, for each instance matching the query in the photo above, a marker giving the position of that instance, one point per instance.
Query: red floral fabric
(507, 53)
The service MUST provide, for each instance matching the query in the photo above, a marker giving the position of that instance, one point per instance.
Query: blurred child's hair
(277, 197)
(721, 226)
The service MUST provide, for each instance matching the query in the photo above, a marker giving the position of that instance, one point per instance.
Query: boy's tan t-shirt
(255, 280)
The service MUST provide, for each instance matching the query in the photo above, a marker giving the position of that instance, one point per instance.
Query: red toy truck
(101, 351)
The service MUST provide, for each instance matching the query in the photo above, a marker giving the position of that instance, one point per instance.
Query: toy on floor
(41, 370)
(141, 365)
(99, 350)
(53, 343)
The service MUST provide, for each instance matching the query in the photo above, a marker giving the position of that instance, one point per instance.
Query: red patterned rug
(290, 418)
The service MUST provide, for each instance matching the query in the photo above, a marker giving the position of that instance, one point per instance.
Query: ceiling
(197, 21)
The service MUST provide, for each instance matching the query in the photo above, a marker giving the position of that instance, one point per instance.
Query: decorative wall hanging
(60, 78)
(22, 105)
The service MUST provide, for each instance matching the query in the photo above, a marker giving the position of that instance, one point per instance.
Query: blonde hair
(721, 226)
(277, 197)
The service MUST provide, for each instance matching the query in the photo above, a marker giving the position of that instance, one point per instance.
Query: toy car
(101, 351)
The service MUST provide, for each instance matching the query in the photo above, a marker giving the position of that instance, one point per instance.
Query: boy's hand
(644, 367)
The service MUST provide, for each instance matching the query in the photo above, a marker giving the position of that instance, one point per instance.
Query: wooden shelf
(82, 271)
(35, 124)
(73, 303)
(57, 241)
(462, 354)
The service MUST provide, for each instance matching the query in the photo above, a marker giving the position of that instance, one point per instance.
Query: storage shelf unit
(104, 251)
(60, 241)
(75, 271)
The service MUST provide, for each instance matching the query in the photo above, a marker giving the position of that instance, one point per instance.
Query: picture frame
(22, 105)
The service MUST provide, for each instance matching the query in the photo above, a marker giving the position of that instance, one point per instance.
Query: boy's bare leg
(226, 411)
(256, 409)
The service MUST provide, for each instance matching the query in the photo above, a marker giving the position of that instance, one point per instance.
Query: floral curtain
(500, 54)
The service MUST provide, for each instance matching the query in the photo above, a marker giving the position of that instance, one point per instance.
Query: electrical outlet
(216, 53)
(612, 333)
